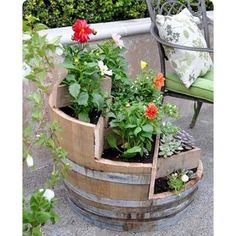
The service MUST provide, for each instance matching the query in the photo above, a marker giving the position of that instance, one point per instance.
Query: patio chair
(202, 90)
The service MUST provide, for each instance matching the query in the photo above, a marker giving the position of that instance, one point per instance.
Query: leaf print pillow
(182, 29)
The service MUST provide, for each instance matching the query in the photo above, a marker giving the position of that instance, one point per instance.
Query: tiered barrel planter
(112, 194)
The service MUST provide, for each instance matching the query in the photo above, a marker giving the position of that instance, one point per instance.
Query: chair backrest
(171, 7)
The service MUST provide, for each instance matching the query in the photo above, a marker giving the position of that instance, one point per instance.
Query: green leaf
(68, 65)
(37, 115)
(27, 216)
(98, 100)
(147, 135)
(26, 28)
(112, 140)
(130, 126)
(41, 139)
(110, 115)
(186, 34)
(37, 231)
(132, 152)
(42, 217)
(70, 78)
(83, 99)
(92, 64)
(137, 130)
(35, 97)
(74, 90)
(147, 128)
(40, 26)
(158, 130)
(83, 116)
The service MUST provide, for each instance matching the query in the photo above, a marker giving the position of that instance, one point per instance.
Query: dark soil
(115, 155)
(161, 184)
(93, 115)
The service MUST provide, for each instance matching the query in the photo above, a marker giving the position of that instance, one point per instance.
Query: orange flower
(159, 81)
(151, 111)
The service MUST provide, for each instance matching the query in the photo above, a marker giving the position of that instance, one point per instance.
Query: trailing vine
(39, 62)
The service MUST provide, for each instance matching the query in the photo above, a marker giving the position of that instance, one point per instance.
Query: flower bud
(29, 161)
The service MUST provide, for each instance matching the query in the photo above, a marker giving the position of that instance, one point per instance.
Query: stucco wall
(140, 46)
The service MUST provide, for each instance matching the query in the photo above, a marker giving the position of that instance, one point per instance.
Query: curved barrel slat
(110, 176)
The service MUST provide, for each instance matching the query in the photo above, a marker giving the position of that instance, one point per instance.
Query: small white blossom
(26, 69)
(29, 160)
(104, 69)
(48, 194)
(185, 178)
(116, 37)
(26, 37)
(59, 49)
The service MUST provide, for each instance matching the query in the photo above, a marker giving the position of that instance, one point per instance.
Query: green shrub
(59, 13)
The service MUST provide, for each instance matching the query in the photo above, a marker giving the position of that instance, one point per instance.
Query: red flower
(81, 31)
(151, 111)
(159, 81)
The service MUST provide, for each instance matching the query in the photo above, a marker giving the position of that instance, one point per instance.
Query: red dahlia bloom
(81, 31)
(151, 111)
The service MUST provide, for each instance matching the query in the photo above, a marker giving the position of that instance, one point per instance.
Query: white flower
(29, 161)
(59, 49)
(116, 37)
(26, 37)
(26, 69)
(104, 69)
(48, 194)
(185, 178)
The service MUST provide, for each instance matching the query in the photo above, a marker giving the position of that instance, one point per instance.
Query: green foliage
(65, 12)
(135, 130)
(37, 212)
(169, 129)
(171, 110)
(38, 55)
(127, 115)
(169, 146)
(175, 183)
(178, 179)
(84, 76)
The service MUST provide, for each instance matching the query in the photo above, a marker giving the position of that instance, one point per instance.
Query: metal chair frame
(170, 7)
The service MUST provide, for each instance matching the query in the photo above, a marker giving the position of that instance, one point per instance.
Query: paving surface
(198, 220)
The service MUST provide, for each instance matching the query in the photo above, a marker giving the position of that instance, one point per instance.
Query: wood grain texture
(107, 189)
(99, 137)
(110, 176)
(184, 160)
(132, 222)
(154, 169)
(170, 196)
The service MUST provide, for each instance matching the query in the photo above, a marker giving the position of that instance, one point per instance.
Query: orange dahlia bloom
(151, 111)
(159, 81)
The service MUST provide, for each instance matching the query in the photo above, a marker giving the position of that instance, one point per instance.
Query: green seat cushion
(201, 88)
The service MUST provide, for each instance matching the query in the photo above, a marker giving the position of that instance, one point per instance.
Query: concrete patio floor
(198, 220)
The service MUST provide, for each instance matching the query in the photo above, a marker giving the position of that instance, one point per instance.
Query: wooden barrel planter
(112, 194)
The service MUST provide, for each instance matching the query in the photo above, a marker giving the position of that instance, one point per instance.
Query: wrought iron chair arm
(165, 43)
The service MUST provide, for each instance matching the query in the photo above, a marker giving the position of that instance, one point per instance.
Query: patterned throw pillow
(182, 29)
